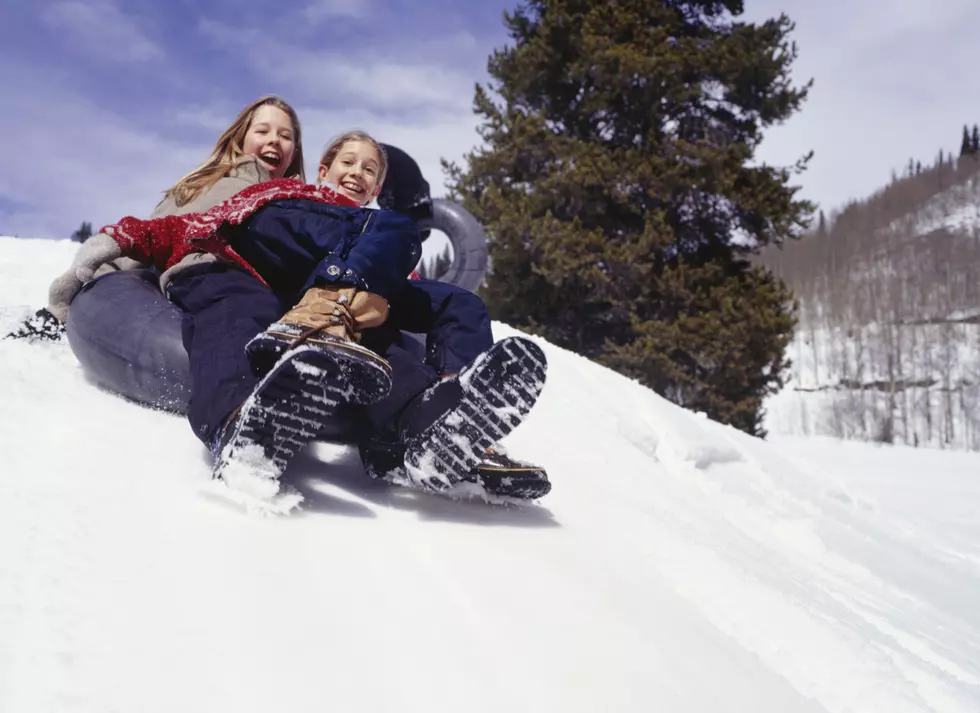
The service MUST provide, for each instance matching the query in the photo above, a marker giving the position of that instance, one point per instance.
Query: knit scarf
(165, 241)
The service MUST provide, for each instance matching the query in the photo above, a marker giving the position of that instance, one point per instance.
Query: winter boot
(283, 414)
(42, 326)
(497, 473)
(447, 429)
(331, 320)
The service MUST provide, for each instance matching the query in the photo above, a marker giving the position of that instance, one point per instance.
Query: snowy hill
(677, 565)
(956, 209)
(887, 346)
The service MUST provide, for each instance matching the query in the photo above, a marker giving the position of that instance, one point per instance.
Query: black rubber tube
(127, 337)
(469, 242)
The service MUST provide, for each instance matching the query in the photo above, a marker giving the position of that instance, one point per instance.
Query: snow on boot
(283, 414)
(497, 474)
(449, 427)
(41, 326)
(330, 319)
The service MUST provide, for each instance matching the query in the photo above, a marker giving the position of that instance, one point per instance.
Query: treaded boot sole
(285, 412)
(498, 391)
(368, 373)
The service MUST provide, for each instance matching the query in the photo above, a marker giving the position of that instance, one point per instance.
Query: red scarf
(166, 241)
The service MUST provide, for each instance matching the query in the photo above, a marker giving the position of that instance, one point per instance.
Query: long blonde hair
(229, 149)
(337, 143)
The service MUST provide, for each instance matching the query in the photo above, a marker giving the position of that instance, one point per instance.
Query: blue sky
(107, 102)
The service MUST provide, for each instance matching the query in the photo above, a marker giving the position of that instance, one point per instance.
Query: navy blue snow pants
(410, 376)
(224, 307)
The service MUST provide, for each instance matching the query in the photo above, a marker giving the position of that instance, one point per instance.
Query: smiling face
(355, 171)
(270, 136)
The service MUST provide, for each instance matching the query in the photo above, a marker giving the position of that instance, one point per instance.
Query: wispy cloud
(371, 76)
(317, 11)
(100, 28)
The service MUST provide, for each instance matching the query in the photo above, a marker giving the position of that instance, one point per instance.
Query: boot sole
(498, 391)
(368, 373)
(289, 406)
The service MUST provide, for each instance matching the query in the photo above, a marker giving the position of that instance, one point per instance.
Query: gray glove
(94, 252)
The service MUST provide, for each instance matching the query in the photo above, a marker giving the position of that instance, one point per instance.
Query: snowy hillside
(888, 348)
(678, 565)
(956, 209)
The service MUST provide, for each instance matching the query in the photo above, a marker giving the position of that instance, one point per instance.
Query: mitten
(94, 252)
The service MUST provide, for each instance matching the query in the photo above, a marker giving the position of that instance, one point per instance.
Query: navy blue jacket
(455, 322)
(296, 244)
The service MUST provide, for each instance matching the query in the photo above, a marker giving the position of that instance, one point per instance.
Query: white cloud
(319, 10)
(101, 29)
(355, 80)
(210, 118)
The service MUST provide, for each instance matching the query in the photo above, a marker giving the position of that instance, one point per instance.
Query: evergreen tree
(617, 186)
(442, 263)
(822, 225)
(83, 233)
(438, 266)
(966, 145)
(975, 141)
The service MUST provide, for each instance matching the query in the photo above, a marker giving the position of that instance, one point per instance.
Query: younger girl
(458, 335)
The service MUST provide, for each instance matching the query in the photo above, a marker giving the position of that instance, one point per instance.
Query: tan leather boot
(337, 312)
(330, 318)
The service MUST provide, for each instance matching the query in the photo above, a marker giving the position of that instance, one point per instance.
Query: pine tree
(83, 233)
(617, 186)
(822, 225)
(966, 145)
(975, 141)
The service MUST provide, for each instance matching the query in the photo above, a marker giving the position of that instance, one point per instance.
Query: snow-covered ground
(678, 565)
(956, 209)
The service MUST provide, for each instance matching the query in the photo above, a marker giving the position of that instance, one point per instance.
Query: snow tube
(127, 335)
(469, 243)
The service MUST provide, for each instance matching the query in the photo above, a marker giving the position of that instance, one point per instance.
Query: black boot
(41, 326)
(497, 473)
(284, 413)
(447, 429)
(331, 320)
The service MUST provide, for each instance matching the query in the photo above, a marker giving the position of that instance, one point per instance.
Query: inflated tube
(469, 243)
(127, 336)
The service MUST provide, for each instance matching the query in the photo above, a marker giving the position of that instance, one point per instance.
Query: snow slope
(677, 565)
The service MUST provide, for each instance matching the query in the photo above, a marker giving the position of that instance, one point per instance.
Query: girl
(399, 431)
